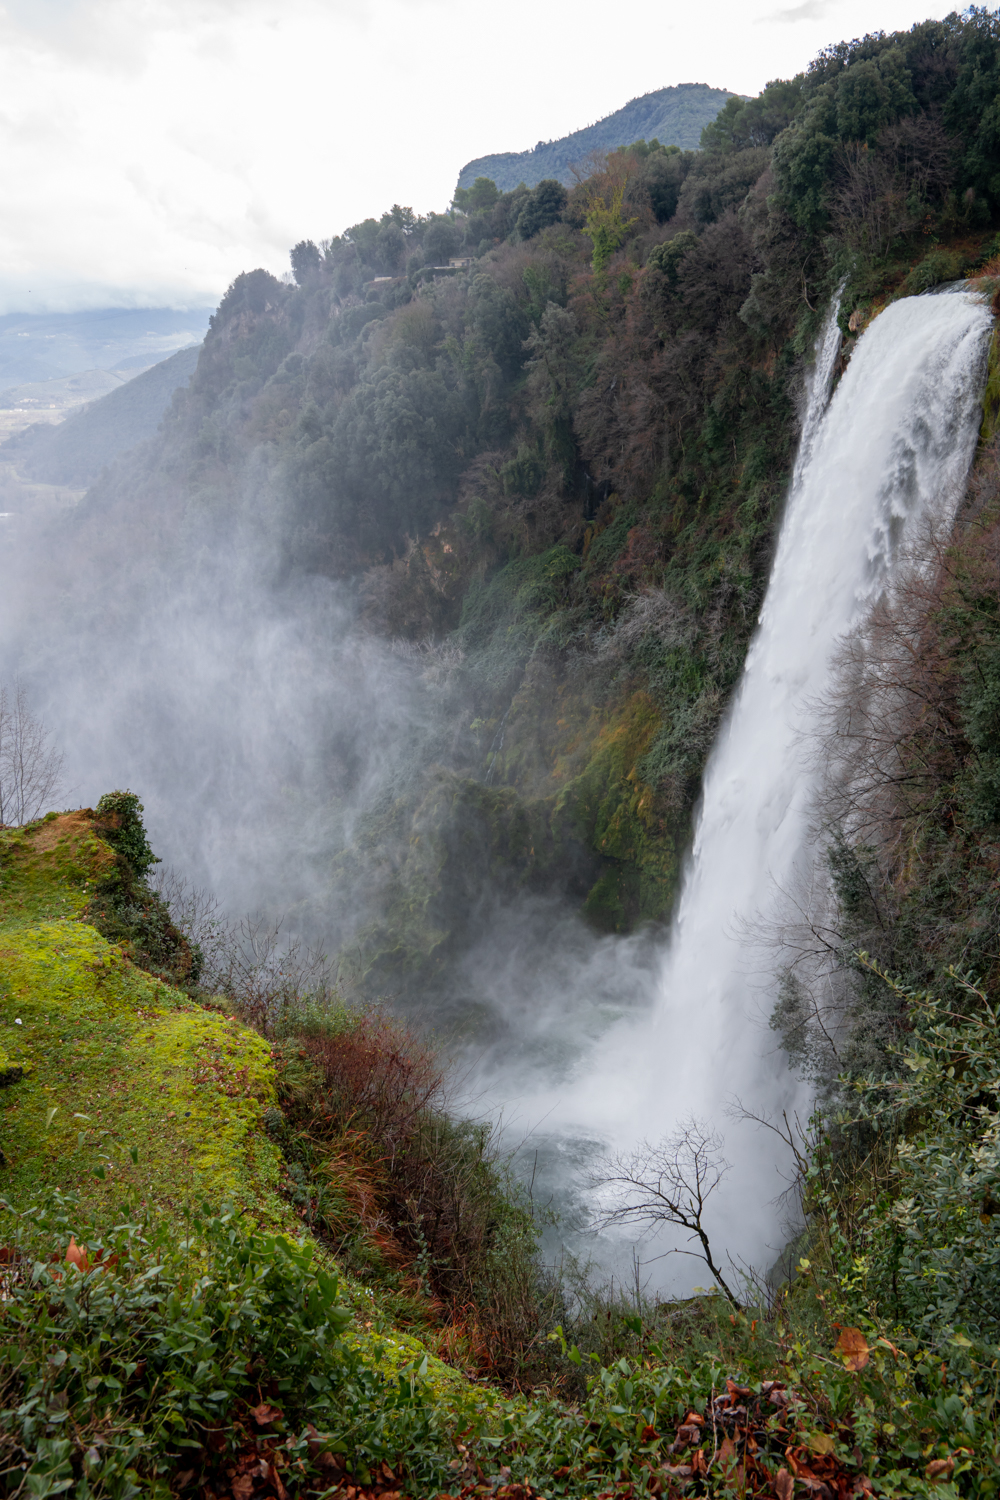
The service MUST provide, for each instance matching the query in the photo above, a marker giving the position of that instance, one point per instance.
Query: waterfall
(893, 447)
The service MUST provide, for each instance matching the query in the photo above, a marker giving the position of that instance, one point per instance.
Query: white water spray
(893, 449)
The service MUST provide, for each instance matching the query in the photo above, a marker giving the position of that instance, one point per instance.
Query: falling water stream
(218, 703)
(892, 448)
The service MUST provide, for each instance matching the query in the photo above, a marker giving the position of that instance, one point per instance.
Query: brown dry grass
(69, 827)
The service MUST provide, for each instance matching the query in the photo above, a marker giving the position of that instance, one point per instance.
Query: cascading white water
(893, 447)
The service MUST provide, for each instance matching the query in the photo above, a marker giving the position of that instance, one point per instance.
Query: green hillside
(673, 116)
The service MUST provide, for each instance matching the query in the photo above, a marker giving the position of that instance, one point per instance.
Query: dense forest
(541, 443)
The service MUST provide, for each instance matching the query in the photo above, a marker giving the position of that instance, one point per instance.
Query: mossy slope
(119, 1084)
(114, 1064)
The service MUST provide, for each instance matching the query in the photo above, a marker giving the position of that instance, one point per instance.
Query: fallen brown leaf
(264, 1414)
(939, 1468)
(279, 1488)
(76, 1255)
(852, 1346)
(784, 1485)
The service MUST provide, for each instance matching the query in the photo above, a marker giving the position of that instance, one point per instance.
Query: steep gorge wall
(554, 478)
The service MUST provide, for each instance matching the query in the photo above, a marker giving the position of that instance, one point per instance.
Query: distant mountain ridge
(48, 346)
(675, 116)
(75, 451)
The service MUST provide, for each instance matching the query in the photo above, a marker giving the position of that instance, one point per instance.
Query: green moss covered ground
(120, 1073)
(131, 1112)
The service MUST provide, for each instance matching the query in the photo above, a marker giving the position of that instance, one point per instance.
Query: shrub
(926, 1253)
(143, 1359)
(124, 908)
(431, 1192)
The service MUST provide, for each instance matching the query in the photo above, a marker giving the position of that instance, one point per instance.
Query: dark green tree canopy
(252, 292)
(306, 261)
(478, 198)
(541, 208)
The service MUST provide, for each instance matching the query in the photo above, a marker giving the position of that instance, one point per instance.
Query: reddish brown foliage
(378, 1077)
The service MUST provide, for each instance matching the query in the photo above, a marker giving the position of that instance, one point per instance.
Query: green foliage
(936, 268)
(803, 159)
(306, 261)
(124, 909)
(667, 256)
(118, 818)
(508, 616)
(715, 184)
(607, 228)
(927, 1257)
(541, 208)
(146, 1359)
(522, 474)
(253, 293)
(871, 94)
(481, 196)
(744, 123)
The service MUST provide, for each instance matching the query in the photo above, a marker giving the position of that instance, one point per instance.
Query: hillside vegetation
(563, 465)
(205, 1271)
(675, 116)
(247, 1250)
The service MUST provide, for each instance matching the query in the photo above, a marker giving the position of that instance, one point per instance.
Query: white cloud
(155, 148)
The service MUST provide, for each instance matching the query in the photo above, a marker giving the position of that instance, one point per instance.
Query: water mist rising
(892, 449)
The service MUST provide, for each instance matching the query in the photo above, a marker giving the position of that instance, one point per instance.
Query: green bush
(125, 910)
(168, 1350)
(928, 1255)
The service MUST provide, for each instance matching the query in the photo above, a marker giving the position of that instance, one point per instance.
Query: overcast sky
(150, 150)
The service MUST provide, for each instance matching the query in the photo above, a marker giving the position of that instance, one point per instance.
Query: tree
(306, 261)
(253, 292)
(606, 229)
(31, 771)
(542, 208)
(440, 242)
(480, 197)
(669, 1183)
(390, 247)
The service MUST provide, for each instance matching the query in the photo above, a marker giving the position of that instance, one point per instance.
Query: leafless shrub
(379, 1077)
(653, 612)
(890, 727)
(669, 1183)
(268, 975)
(886, 191)
(31, 769)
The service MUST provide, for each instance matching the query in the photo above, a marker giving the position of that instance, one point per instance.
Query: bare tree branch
(31, 770)
(669, 1183)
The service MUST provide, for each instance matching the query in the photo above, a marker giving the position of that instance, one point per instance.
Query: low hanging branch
(669, 1183)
